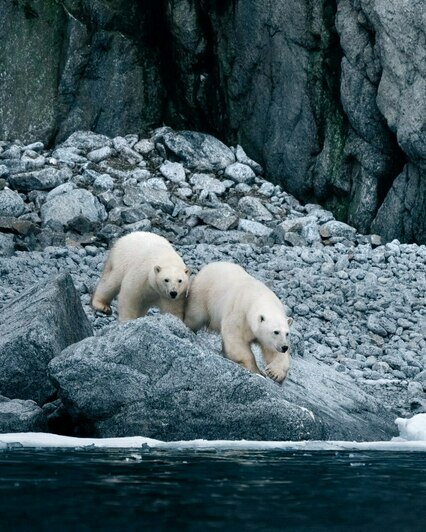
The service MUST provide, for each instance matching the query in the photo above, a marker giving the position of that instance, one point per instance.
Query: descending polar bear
(225, 298)
(145, 270)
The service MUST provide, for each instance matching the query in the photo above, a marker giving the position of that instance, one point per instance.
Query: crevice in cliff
(328, 179)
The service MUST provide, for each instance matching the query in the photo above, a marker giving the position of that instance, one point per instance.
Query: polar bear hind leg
(196, 315)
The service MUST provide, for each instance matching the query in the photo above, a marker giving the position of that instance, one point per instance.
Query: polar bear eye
(180, 280)
(276, 332)
(166, 280)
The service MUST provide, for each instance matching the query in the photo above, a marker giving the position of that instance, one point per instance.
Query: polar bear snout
(173, 294)
(284, 348)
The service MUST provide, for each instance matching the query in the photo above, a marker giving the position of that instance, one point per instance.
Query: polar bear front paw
(275, 372)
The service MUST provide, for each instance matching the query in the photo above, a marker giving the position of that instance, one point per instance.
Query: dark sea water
(189, 490)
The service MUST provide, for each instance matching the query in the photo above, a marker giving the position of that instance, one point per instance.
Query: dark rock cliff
(329, 95)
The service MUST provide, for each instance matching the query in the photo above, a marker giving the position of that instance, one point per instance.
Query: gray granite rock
(157, 198)
(11, 203)
(35, 327)
(197, 151)
(174, 172)
(7, 245)
(222, 218)
(208, 183)
(63, 208)
(100, 154)
(154, 377)
(87, 141)
(337, 229)
(254, 208)
(240, 173)
(45, 179)
(17, 415)
(255, 228)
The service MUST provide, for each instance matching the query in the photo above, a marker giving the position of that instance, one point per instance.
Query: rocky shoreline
(359, 348)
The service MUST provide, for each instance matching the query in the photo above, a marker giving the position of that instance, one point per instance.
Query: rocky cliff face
(329, 96)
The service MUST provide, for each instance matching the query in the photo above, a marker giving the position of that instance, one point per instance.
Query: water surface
(99, 489)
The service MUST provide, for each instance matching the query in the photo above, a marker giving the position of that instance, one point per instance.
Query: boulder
(63, 208)
(222, 218)
(197, 151)
(34, 328)
(87, 141)
(150, 377)
(154, 377)
(21, 416)
(45, 179)
(134, 196)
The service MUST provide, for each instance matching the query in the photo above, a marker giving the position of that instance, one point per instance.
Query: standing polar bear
(145, 271)
(226, 299)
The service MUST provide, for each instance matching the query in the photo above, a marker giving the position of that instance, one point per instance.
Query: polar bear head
(272, 331)
(171, 281)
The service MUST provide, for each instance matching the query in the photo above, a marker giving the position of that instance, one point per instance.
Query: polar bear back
(145, 250)
(224, 287)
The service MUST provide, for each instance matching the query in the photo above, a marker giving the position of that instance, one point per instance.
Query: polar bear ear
(188, 272)
(157, 269)
(290, 321)
(261, 318)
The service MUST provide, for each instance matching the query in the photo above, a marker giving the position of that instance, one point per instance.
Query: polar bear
(145, 271)
(226, 299)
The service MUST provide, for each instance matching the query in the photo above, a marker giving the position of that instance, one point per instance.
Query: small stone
(11, 203)
(267, 189)
(144, 146)
(208, 183)
(375, 240)
(174, 172)
(302, 309)
(337, 229)
(4, 170)
(100, 154)
(242, 157)
(240, 173)
(255, 228)
(103, 182)
(254, 208)
(70, 156)
(7, 245)
(45, 179)
(222, 218)
(86, 141)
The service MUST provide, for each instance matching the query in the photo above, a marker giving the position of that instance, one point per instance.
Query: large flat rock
(150, 377)
(34, 328)
(154, 377)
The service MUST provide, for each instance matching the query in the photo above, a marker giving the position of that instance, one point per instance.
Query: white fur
(143, 269)
(226, 299)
